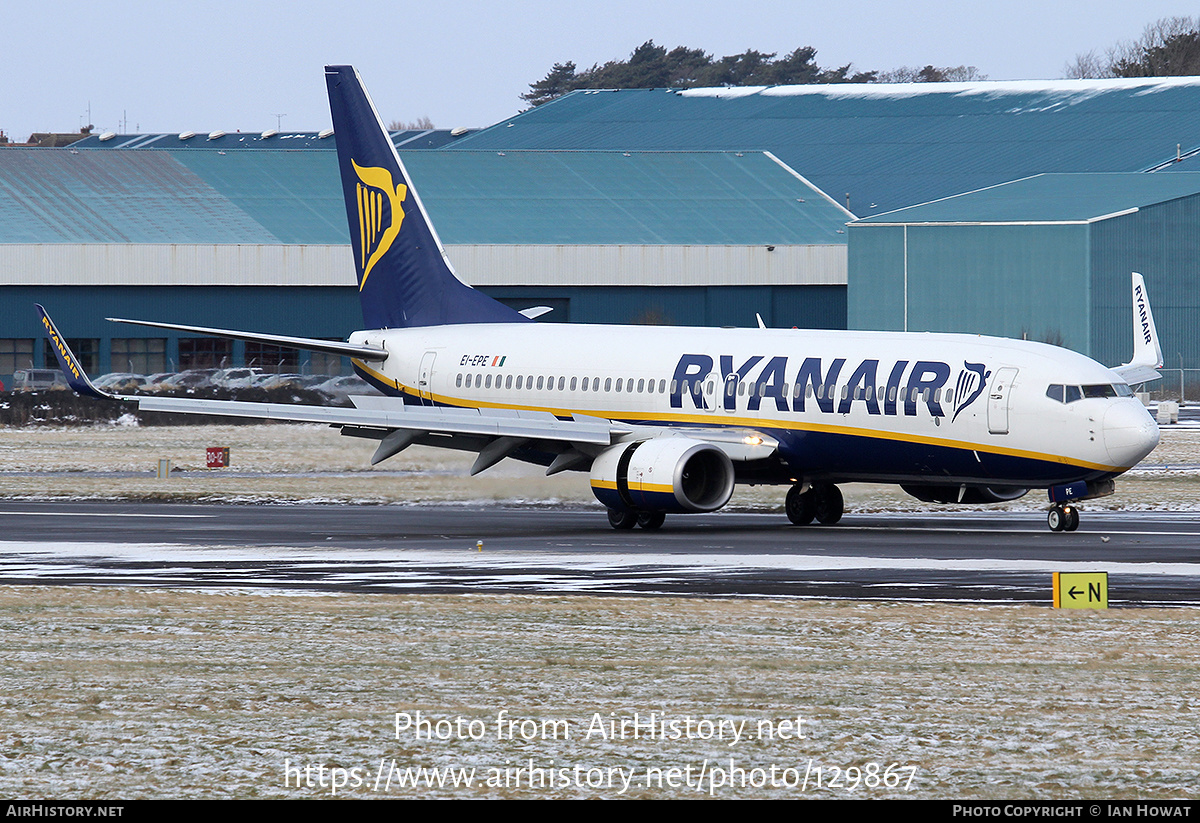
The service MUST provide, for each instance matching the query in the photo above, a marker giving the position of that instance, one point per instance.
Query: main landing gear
(626, 519)
(821, 501)
(1063, 517)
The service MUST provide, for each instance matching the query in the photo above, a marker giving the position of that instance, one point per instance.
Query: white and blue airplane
(668, 420)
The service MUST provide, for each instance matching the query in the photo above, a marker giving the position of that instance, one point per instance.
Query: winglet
(1147, 353)
(76, 376)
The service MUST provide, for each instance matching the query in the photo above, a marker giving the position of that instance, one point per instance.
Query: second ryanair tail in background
(404, 278)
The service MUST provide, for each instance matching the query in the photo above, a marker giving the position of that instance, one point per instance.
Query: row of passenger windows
(1069, 394)
(643, 386)
(547, 383)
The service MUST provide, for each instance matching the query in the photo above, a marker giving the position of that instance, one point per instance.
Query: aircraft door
(998, 398)
(424, 379)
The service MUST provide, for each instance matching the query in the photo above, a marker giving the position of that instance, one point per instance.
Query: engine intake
(666, 474)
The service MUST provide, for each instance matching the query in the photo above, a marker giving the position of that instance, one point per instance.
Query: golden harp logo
(375, 237)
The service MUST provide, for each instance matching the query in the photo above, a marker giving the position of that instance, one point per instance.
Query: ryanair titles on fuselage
(814, 384)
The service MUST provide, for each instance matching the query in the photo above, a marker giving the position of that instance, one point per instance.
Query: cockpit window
(1069, 394)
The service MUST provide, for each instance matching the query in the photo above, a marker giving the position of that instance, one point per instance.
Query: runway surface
(1151, 558)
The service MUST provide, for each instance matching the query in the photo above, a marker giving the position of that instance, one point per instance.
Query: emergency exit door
(998, 398)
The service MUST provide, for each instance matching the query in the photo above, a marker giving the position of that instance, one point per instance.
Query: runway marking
(997, 532)
(175, 560)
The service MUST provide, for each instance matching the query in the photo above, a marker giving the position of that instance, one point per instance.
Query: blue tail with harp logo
(404, 279)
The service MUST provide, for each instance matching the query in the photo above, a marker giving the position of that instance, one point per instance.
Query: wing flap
(392, 414)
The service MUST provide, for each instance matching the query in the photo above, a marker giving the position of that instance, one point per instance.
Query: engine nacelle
(665, 474)
(955, 493)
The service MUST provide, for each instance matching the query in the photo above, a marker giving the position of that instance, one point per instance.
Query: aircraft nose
(1130, 433)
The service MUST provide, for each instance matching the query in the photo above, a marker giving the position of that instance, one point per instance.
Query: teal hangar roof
(886, 146)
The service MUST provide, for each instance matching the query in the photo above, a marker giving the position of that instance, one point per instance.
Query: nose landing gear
(1063, 518)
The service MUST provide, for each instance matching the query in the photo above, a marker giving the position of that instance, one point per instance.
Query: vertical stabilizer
(404, 278)
(1147, 352)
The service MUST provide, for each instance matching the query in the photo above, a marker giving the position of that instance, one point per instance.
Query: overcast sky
(171, 66)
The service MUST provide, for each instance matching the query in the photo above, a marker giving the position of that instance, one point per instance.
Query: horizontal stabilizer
(305, 343)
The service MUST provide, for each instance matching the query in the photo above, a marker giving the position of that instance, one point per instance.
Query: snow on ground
(120, 693)
(124, 692)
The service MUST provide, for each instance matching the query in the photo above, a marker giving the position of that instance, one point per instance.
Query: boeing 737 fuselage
(670, 419)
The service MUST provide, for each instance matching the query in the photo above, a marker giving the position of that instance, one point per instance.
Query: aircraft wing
(494, 433)
(1147, 353)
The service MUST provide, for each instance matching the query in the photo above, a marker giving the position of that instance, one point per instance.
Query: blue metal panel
(1010, 281)
(271, 197)
(1051, 197)
(1163, 243)
(886, 147)
(670, 198)
(295, 195)
(875, 292)
(55, 196)
(806, 307)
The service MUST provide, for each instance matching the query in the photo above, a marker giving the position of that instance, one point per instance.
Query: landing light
(752, 440)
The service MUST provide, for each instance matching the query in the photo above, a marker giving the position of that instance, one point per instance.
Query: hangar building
(694, 207)
(244, 236)
(1047, 258)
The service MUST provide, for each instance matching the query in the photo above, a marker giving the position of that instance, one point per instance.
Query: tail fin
(404, 278)
(1147, 353)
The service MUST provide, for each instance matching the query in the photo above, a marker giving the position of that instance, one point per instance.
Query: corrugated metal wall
(1010, 281)
(126, 264)
(334, 312)
(629, 265)
(69, 264)
(1163, 243)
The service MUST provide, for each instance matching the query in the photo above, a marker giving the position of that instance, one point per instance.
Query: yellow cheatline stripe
(651, 487)
(604, 484)
(724, 420)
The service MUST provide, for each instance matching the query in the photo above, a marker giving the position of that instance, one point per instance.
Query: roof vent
(459, 132)
(325, 133)
(186, 135)
(269, 133)
(216, 135)
(108, 135)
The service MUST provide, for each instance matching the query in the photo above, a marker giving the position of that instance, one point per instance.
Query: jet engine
(955, 493)
(664, 474)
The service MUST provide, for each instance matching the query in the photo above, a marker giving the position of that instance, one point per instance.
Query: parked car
(240, 377)
(192, 379)
(38, 380)
(120, 382)
(292, 381)
(340, 388)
